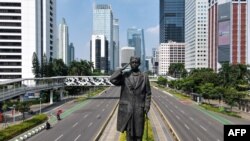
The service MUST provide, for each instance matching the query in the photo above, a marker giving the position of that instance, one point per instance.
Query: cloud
(153, 30)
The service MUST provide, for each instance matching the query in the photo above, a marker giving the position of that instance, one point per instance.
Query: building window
(10, 10)
(9, 24)
(10, 43)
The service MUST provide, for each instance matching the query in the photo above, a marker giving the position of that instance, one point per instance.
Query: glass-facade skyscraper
(136, 40)
(103, 25)
(172, 15)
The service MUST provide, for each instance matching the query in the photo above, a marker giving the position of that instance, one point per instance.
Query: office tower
(26, 26)
(172, 15)
(149, 63)
(136, 39)
(63, 45)
(103, 25)
(116, 42)
(228, 32)
(196, 34)
(72, 52)
(99, 53)
(126, 53)
(155, 60)
(170, 53)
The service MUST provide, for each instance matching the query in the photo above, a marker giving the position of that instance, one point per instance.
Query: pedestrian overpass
(18, 87)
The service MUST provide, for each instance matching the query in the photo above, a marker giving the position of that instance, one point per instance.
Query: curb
(29, 133)
(167, 122)
(99, 134)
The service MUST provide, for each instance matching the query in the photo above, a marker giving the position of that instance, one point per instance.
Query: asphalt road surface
(189, 121)
(85, 123)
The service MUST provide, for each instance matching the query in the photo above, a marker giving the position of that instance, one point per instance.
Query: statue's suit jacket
(134, 100)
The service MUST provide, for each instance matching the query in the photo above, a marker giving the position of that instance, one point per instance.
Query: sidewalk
(243, 114)
(35, 108)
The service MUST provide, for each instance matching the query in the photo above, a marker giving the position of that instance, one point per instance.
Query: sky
(131, 13)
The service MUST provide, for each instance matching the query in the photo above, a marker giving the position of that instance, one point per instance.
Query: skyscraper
(116, 42)
(26, 26)
(72, 52)
(172, 15)
(99, 52)
(196, 34)
(103, 25)
(136, 39)
(228, 36)
(126, 53)
(63, 45)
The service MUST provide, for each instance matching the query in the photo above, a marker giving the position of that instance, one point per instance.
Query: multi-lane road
(190, 122)
(85, 123)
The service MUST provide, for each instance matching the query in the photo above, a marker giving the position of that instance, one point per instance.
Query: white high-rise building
(169, 53)
(196, 34)
(103, 25)
(26, 26)
(116, 42)
(126, 53)
(63, 45)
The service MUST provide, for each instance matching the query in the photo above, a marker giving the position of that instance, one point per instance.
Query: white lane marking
(85, 116)
(187, 126)
(198, 139)
(203, 128)
(177, 117)
(75, 124)
(171, 111)
(90, 124)
(77, 137)
(58, 137)
(191, 118)
(103, 109)
(182, 111)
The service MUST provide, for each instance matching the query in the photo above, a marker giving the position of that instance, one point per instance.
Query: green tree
(208, 91)
(162, 81)
(59, 68)
(44, 68)
(177, 70)
(23, 107)
(35, 65)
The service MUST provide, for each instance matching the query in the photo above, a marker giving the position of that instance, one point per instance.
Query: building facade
(126, 53)
(169, 53)
(136, 39)
(26, 26)
(99, 52)
(155, 60)
(72, 52)
(63, 45)
(103, 25)
(149, 63)
(196, 34)
(172, 18)
(228, 37)
(116, 43)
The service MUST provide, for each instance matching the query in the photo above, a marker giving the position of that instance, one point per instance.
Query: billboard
(224, 33)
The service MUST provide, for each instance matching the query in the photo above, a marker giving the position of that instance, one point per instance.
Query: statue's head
(135, 62)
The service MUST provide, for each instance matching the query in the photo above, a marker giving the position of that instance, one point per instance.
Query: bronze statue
(134, 101)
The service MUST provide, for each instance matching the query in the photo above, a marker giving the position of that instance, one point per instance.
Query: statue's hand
(124, 67)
